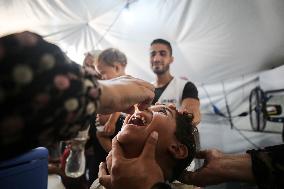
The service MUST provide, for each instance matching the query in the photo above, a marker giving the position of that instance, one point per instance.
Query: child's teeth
(144, 121)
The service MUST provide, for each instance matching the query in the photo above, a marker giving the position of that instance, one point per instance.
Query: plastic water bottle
(76, 161)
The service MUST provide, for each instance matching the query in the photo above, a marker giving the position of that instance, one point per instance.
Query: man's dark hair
(164, 42)
(187, 134)
(112, 55)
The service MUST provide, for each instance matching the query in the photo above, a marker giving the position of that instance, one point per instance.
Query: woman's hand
(122, 93)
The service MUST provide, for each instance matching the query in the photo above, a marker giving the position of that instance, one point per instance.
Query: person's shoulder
(181, 79)
(185, 80)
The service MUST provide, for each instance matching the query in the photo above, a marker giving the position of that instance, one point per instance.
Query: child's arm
(109, 126)
(109, 129)
(104, 140)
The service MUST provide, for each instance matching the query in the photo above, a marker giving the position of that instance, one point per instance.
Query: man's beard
(162, 70)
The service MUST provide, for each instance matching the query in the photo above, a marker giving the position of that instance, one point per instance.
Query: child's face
(89, 61)
(138, 127)
(106, 71)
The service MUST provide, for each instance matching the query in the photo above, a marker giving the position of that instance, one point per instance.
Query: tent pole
(227, 107)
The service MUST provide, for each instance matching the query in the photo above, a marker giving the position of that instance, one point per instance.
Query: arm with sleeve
(45, 96)
(268, 167)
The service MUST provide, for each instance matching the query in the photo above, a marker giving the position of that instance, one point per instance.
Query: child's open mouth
(137, 120)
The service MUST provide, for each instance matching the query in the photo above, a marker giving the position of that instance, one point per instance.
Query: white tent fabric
(272, 79)
(221, 45)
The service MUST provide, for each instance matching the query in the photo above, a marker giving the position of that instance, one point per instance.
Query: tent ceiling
(212, 40)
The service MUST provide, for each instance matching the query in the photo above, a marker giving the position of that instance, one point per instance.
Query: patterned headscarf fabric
(44, 96)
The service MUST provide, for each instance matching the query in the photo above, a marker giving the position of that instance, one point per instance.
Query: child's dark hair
(187, 134)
